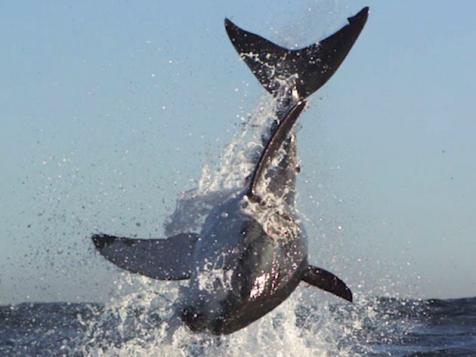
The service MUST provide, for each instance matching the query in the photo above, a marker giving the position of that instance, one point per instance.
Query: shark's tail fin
(304, 70)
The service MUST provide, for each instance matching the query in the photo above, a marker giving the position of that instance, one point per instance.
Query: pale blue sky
(109, 109)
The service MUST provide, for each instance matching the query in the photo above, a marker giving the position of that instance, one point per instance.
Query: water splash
(228, 175)
(140, 321)
(304, 325)
(136, 325)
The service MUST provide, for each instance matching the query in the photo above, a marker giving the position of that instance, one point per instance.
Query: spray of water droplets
(138, 322)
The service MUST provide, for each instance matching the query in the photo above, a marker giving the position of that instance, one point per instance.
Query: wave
(300, 327)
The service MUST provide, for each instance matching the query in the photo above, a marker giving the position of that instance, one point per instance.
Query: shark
(251, 251)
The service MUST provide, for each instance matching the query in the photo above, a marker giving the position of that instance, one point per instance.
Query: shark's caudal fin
(327, 281)
(162, 259)
(306, 69)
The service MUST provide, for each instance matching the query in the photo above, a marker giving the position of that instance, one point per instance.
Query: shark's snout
(193, 318)
(199, 321)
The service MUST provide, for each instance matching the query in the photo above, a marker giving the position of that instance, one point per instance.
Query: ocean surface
(300, 327)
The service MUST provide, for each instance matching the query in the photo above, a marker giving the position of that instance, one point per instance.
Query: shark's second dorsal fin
(279, 135)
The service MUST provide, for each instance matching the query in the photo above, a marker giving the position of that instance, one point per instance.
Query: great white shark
(251, 252)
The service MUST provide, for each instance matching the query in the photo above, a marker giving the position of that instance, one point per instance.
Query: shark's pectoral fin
(163, 259)
(327, 281)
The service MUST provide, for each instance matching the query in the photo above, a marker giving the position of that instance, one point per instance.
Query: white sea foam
(137, 325)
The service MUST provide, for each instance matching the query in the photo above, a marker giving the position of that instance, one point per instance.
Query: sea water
(300, 327)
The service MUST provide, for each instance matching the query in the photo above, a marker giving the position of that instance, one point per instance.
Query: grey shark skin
(251, 252)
